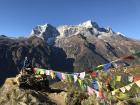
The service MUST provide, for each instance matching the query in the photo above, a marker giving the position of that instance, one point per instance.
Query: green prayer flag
(39, 71)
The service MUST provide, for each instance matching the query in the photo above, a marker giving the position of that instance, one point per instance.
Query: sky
(18, 17)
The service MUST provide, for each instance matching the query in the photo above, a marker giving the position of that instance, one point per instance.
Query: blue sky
(18, 17)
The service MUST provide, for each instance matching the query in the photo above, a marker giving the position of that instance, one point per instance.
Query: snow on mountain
(46, 32)
(89, 24)
(50, 33)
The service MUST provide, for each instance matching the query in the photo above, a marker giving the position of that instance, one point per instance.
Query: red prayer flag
(94, 74)
(101, 94)
(136, 78)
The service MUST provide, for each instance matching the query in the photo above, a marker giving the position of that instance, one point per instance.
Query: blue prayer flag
(106, 66)
(95, 85)
(59, 75)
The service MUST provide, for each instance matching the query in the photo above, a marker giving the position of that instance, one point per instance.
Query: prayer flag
(114, 91)
(59, 76)
(90, 90)
(75, 78)
(131, 84)
(69, 77)
(118, 78)
(106, 66)
(52, 74)
(63, 76)
(100, 67)
(125, 78)
(42, 71)
(136, 78)
(80, 82)
(82, 75)
(39, 71)
(122, 89)
(109, 79)
(34, 69)
(138, 83)
(95, 85)
(130, 78)
(101, 94)
(47, 72)
(94, 74)
(128, 87)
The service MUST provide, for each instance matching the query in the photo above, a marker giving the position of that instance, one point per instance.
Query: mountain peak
(89, 24)
(46, 32)
(39, 29)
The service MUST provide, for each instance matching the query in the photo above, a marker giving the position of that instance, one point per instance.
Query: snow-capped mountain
(46, 32)
(50, 33)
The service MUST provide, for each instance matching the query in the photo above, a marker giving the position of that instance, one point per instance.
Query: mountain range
(65, 48)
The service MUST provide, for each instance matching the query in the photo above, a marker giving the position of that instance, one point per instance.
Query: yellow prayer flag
(80, 82)
(52, 74)
(118, 78)
(114, 91)
(100, 66)
(42, 71)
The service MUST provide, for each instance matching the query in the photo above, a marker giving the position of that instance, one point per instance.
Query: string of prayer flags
(106, 66)
(127, 87)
